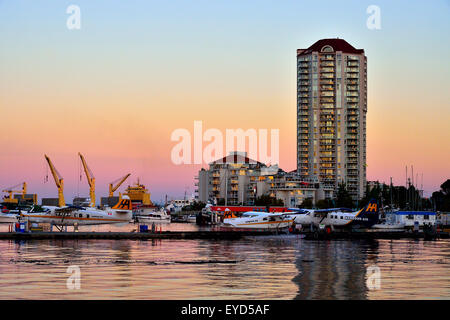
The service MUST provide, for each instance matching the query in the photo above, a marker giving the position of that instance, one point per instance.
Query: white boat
(8, 218)
(192, 218)
(153, 216)
(13, 215)
(260, 220)
(388, 226)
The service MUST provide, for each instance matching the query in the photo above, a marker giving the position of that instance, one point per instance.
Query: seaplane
(259, 220)
(339, 218)
(77, 216)
(70, 215)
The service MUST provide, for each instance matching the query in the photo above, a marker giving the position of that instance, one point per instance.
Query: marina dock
(392, 235)
(185, 235)
(214, 235)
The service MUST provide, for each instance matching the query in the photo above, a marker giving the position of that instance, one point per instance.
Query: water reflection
(263, 269)
(253, 268)
(334, 269)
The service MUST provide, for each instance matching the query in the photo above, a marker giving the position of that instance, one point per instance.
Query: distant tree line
(267, 200)
(441, 198)
(389, 195)
(194, 206)
(393, 196)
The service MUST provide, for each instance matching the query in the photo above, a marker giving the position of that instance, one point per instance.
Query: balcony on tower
(327, 57)
(352, 75)
(327, 63)
(327, 70)
(352, 70)
(328, 80)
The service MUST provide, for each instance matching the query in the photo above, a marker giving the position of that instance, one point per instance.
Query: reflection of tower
(333, 269)
(263, 270)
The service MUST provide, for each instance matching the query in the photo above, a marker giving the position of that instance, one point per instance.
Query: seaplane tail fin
(123, 204)
(371, 213)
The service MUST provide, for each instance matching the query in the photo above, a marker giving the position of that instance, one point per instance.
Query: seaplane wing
(68, 209)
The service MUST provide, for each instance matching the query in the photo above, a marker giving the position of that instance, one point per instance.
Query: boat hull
(382, 226)
(8, 218)
(266, 225)
(146, 219)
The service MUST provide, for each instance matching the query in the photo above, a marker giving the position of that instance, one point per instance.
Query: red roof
(235, 158)
(336, 43)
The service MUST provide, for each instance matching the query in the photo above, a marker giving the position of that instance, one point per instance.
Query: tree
(445, 187)
(194, 206)
(324, 204)
(343, 198)
(441, 198)
(307, 203)
(266, 200)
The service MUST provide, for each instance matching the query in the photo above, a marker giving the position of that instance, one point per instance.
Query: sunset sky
(136, 71)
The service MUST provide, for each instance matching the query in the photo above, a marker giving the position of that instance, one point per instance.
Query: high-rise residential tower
(331, 114)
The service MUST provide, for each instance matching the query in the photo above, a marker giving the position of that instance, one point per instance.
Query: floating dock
(341, 235)
(215, 235)
(210, 235)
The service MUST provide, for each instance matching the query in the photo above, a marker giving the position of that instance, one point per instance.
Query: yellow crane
(119, 181)
(91, 180)
(11, 190)
(59, 181)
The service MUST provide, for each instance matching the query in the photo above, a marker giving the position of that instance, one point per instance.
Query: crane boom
(11, 190)
(113, 188)
(91, 180)
(59, 181)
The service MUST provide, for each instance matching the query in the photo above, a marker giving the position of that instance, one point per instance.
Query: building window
(327, 49)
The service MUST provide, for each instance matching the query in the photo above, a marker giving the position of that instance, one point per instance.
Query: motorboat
(10, 214)
(192, 218)
(153, 216)
(8, 217)
(388, 226)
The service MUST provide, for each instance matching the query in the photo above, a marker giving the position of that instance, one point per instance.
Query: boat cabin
(410, 217)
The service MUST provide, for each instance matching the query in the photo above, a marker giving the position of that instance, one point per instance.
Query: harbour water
(267, 267)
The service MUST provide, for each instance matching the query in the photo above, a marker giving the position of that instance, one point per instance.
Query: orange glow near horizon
(117, 139)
